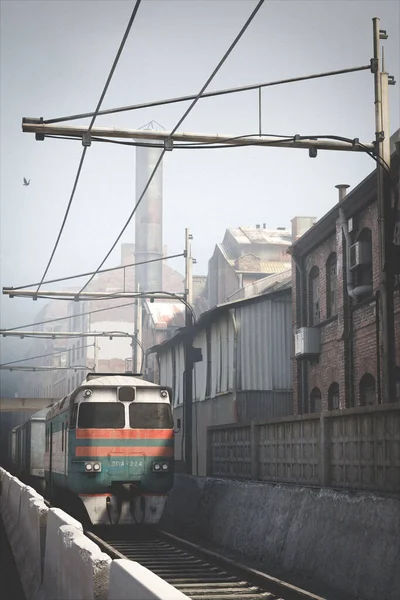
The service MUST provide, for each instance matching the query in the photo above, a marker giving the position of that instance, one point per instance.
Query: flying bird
(26, 182)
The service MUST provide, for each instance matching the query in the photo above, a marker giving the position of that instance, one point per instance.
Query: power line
(88, 134)
(221, 62)
(13, 362)
(127, 222)
(144, 262)
(90, 312)
(244, 88)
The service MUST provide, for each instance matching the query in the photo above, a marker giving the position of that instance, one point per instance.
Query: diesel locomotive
(110, 442)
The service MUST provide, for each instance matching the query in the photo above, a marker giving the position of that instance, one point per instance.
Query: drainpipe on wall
(303, 366)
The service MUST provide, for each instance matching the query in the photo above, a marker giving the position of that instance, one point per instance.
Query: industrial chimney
(148, 219)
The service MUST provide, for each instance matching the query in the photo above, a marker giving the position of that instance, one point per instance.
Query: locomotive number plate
(133, 465)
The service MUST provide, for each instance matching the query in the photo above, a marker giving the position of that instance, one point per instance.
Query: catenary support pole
(188, 387)
(382, 136)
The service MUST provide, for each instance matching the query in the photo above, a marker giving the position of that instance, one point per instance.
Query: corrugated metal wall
(263, 358)
(265, 345)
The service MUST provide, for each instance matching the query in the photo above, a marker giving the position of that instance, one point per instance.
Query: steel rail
(194, 570)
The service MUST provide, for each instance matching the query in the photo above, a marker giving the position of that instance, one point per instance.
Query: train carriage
(111, 442)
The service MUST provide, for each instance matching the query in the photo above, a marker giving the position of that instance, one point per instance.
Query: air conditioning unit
(350, 225)
(307, 342)
(360, 254)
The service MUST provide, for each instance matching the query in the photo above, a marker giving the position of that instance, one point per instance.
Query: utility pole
(385, 217)
(188, 377)
(137, 364)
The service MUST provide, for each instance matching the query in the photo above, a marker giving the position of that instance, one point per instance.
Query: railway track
(198, 573)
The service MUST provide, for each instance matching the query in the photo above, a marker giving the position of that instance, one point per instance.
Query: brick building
(336, 313)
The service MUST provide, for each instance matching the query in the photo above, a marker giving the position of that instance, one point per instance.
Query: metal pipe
(244, 88)
(378, 344)
(342, 187)
(301, 322)
(207, 138)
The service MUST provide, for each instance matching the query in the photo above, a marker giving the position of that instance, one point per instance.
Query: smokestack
(342, 187)
(148, 220)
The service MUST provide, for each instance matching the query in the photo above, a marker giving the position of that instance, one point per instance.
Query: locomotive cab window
(101, 415)
(150, 415)
(126, 393)
(73, 414)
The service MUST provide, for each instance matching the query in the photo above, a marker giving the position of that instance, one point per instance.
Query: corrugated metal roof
(255, 235)
(274, 266)
(272, 283)
(164, 312)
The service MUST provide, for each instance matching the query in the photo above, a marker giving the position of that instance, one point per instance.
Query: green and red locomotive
(111, 443)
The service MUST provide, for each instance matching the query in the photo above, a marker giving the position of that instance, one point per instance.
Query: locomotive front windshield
(101, 415)
(150, 415)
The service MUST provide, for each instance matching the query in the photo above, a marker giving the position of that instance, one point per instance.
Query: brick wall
(349, 344)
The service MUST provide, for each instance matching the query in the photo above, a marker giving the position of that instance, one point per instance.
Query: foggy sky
(55, 57)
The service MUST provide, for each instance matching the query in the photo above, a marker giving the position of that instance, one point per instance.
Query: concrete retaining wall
(348, 541)
(147, 585)
(56, 561)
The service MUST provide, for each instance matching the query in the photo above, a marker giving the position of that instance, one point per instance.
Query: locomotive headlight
(97, 467)
(164, 466)
(156, 466)
(88, 467)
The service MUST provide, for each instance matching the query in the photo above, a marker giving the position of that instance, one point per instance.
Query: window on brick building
(331, 285)
(313, 295)
(367, 390)
(363, 273)
(315, 400)
(333, 396)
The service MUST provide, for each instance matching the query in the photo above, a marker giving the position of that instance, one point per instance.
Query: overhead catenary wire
(13, 362)
(79, 275)
(90, 312)
(221, 62)
(78, 173)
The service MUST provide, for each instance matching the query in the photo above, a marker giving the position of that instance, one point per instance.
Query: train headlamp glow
(96, 467)
(88, 467)
(160, 466)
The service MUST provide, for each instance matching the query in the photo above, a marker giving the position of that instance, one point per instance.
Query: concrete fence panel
(12, 513)
(5, 487)
(85, 569)
(56, 518)
(131, 581)
(30, 554)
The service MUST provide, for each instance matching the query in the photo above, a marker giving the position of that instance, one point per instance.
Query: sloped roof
(256, 235)
(164, 312)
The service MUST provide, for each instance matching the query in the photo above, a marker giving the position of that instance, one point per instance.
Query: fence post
(254, 449)
(324, 450)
